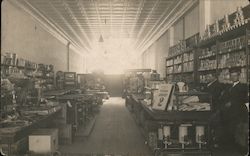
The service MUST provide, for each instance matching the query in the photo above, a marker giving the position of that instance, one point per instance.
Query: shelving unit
(227, 47)
(21, 74)
(223, 47)
(227, 50)
(181, 62)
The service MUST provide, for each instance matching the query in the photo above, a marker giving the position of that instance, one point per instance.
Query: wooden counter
(9, 135)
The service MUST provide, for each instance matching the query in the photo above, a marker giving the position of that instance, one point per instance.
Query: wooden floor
(115, 132)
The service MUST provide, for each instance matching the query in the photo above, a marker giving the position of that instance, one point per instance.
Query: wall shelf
(221, 51)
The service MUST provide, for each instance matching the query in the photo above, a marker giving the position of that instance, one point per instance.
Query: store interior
(125, 77)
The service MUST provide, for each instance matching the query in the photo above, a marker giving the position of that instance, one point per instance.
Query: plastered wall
(162, 46)
(23, 35)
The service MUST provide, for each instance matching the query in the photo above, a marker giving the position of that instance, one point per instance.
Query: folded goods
(195, 106)
(190, 99)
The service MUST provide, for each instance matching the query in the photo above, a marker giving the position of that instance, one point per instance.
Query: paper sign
(161, 97)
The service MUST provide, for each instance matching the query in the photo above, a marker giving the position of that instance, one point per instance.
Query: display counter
(15, 130)
(176, 131)
(15, 133)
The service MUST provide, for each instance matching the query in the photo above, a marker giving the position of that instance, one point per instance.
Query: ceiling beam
(161, 20)
(111, 17)
(145, 22)
(177, 16)
(141, 5)
(98, 15)
(77, 23)
(125, 7)
(68, 25)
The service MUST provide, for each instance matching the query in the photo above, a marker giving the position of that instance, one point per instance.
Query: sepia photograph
(125, 77)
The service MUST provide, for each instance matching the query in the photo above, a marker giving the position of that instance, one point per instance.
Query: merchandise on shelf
(170, 70)
(31, 65)
(208, 52)
(178, 68)
(177, 49)
(20, 62)
(169, 62)
(232, 60)
(234, 44)
(188, 56)
(188, 66)
(207, 64)
(239, 16)
(226, 24)
(10, 59)
(178, 60)
(229, 22)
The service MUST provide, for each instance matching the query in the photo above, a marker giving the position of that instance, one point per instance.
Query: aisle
(115, 132)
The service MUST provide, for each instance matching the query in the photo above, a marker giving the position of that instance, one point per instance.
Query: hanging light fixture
(101, 39)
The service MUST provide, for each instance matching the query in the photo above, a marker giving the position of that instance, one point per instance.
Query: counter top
(190, 116)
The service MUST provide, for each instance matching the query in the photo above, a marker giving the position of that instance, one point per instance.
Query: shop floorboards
(115, 132)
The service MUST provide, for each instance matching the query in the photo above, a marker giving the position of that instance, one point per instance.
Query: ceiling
(83, 21)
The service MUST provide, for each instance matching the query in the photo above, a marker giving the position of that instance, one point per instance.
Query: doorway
(114, 84)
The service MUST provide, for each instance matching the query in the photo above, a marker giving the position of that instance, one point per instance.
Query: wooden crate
(43, 141)
(19, 147)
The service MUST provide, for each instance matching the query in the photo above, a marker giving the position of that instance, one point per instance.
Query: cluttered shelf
(205, 70)
(173, 56)
(207, 56)
(231, 50)
(21, 67)
(188, 61)
(38, 99)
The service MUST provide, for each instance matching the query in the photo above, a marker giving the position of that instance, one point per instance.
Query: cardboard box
(43, 141)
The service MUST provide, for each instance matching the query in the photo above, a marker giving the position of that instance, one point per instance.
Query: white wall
(178, 30)
(23, 35)
(191, 22)
(162, 46)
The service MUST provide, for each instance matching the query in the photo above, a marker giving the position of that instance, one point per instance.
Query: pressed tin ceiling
(83, 21)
